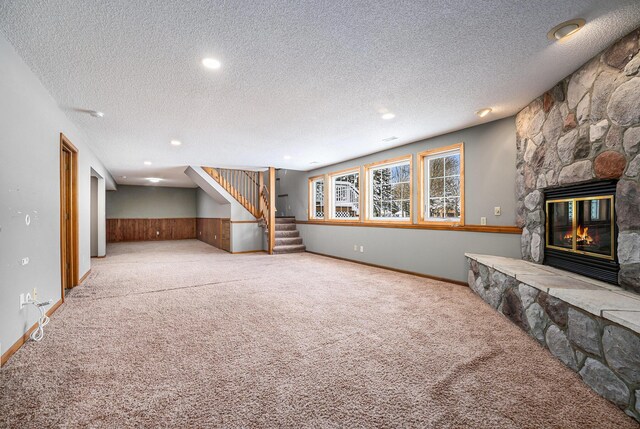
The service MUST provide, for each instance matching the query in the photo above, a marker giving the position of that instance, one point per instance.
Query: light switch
(496, 211)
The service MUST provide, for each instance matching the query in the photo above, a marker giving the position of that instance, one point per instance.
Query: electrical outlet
(24, 261)
(483, 220)
(215, 237)
(157, 233)
(34, 293)
(361, 249)
(496, 211)
(355, 247)
(24, 300)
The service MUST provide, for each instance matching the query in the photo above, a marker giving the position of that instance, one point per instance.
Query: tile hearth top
(593, 296)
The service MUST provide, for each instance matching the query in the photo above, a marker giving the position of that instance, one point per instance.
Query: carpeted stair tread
(289, 249)
(285, 220)
(288, 241)
(287, 234)
(285, 226)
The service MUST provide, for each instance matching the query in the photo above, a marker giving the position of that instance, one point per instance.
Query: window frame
(331, 177)
(422, 197)
(311, 189)
(368, 169)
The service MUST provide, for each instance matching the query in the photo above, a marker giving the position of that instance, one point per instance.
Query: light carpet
(180, 334)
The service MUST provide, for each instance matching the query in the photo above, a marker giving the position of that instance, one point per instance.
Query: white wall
(31, 123)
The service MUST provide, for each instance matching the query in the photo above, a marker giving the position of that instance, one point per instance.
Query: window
(442, 182)
(316, 198)
(389, 190)
(345, 191)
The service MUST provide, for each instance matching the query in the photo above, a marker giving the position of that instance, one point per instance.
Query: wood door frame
(67, 146)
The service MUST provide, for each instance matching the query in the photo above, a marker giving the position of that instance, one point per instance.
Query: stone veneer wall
(605, 355)
(586, 127)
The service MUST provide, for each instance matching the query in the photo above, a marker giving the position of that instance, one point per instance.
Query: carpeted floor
(179, 334)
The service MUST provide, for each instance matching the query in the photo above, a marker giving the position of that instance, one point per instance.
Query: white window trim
(369, 185)
(423, 159)
(332, 179)
(312, 197)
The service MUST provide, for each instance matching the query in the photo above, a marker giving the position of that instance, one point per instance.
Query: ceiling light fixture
(387, 116)
(565, 29)
(390, 139)
(123, 177)
(96, 114)
(484, 112)
(153, 179)
(176, 142)
(314, 163)
(147, 163)
(287, 157)
(211, 63)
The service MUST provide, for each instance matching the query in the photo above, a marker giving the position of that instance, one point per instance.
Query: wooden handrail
(249, 189)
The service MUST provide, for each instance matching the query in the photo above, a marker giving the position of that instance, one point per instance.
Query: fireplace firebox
(581, 229)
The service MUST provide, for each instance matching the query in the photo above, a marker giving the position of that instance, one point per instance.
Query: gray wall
(31, 122)
(152, 202)
(490, 153)
(94, 216)
(207, 207)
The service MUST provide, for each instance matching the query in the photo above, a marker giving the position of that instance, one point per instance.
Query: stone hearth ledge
(593, 296)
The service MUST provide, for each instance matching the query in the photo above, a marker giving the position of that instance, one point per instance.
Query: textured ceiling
(308, 79)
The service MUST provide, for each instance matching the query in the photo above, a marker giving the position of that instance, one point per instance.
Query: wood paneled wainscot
(215, 231)
(150, 229)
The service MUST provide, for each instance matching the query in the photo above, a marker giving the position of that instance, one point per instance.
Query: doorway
(68, 214)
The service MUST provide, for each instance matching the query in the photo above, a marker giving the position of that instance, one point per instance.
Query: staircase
(288, 238)
(249, 189)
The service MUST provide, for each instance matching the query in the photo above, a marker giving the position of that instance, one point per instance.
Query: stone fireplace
(578, 203)
(584, 130)
(581, 231)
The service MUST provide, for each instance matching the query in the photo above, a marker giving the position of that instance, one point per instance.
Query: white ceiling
(308, 79)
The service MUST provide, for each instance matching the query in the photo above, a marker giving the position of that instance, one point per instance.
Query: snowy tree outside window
(442, 187)
(390, 191)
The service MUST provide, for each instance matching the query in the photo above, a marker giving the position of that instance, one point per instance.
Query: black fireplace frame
(590, 266)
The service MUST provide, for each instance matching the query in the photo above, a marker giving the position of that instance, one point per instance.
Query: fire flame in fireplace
(582, 236)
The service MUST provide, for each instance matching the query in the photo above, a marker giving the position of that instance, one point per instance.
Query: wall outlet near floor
(496, 211)
(24, 300)
(34, 293)
(361, 249)
(355, 247)
(483, 220)
(157, 233)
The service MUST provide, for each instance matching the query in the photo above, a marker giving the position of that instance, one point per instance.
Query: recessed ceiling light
(388, 116)
(123, 177)
(565, 29)
(153, 179)
(176, 142)
(96, 114)
(287, 157)
(211, 63)
(390, 139)
(314, 162)
(483, 112)
(147, 163)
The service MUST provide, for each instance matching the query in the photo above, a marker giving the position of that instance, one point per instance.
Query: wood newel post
(272, 209)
